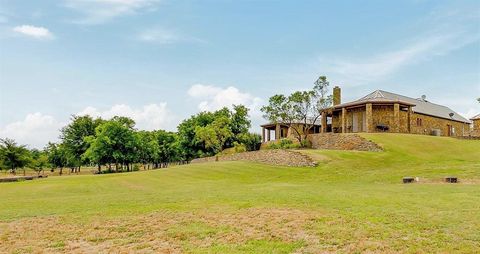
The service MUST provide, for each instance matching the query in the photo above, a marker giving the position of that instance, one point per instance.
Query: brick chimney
(337, 96)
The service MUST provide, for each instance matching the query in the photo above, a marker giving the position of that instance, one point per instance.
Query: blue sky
(159, 61)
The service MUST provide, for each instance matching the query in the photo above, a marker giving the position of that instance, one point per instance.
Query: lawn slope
(351, 202)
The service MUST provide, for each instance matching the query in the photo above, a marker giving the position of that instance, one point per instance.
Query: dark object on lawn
(408, 180)
(383, 127)
(451, 179)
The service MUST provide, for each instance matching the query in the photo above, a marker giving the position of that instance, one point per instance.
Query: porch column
(268, 135)
(324, 122)
(263, 134)
(396, 117)
(277, 132)
(368, 109)
(344, 116)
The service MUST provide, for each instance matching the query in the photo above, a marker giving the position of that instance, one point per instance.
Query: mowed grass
(352, 202)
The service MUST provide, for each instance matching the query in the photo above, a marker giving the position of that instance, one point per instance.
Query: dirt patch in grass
(161, 232)
(252, 230)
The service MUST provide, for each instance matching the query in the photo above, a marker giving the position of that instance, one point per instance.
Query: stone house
(475, 125)
(382, 111)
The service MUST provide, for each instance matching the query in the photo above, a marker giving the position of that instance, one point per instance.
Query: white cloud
(36, 32)
(148, 117)
(163, 36)
(36, 130)
(100, 11)
(213, 97)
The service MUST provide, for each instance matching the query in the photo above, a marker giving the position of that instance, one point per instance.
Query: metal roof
(475, 117)
(420, 105)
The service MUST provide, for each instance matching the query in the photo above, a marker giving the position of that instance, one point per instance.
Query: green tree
(13, 155)
(57, 156)
(114, 142)
(189, 143)
(74, 138)
(214, 135)
(207, 133)
(301, 110)
(252, 141)
(39, 160)
(169, 148)
(148, 148)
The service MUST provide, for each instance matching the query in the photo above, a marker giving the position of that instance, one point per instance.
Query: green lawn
(352, 202)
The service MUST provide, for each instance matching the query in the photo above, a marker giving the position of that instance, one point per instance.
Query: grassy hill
(351, 202)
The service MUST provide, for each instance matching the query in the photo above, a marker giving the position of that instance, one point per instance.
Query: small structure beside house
(475, 125)
(276, 131)
(382, 111)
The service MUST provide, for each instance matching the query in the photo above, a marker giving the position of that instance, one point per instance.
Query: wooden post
(396, 117)
(368, 109)
(344, 115)
(277, 132)
(324, 122)
(268, 135)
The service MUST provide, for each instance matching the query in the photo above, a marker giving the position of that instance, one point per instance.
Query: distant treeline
(117, 145)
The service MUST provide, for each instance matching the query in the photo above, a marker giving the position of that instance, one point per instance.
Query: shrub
(136, 167)
(251, 141)
(284, 143)
(239, 148)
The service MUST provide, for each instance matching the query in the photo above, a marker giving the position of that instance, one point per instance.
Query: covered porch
(378, 116)
(274, 131)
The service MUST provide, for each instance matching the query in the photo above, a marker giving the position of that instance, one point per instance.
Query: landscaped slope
(351, 202)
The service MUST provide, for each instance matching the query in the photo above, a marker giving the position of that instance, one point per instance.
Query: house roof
(477, 117)
(420, 105)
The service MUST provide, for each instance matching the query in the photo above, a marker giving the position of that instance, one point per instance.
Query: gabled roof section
(477, 117)
(420, 106)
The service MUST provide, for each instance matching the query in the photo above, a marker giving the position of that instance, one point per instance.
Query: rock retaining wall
(338, 141)
(274, 157)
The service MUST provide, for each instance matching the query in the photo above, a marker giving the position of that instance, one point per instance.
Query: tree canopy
(301, 110)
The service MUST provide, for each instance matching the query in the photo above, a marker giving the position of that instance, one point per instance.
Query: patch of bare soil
(162, 232)
(166, 232)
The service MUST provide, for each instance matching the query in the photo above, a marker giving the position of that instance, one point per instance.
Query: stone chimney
(337, 96)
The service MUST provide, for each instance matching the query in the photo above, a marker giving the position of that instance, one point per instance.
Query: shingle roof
(420, 105)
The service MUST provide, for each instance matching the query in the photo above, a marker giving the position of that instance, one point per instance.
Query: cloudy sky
(159, 61)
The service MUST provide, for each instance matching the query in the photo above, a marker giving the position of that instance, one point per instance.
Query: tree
(301, 110)
(57, 156)
(39, 160)
(214, 135)
(148, 148)
(169, 148)
(252, 141)
(74, 137)
(13, 155)
(114, 142)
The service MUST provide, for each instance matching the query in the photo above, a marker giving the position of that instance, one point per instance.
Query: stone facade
(423, 124)
(337, 141)
(397, 119)
(278, 157)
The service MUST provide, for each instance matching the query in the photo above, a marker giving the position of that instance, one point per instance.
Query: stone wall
(338, 141)
(384, 115)
(430, 123)
(278, 157)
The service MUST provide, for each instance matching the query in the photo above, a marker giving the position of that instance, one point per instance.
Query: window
(419, 121)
